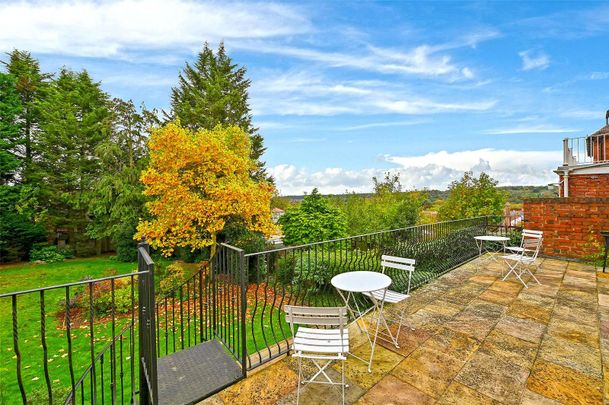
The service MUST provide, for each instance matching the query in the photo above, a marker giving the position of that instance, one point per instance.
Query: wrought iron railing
(118, 379)
(83, 324)
(183, 314)
(207, 306)
(238, 299)
(301, 274)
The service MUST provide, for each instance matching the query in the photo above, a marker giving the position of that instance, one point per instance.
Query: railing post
(147, 339)
(213, 268)
(243, 267)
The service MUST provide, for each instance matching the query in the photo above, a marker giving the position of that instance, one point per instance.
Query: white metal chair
(526, 234)
(322, 337)
(393, 297)
(519, 262)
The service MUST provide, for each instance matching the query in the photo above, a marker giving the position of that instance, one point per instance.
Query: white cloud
(113, 28)
(433, 170)
(306, 93)
(422, 60)
(424, 106)
(270, 125)
(382, 125)
(598, 76)
(534, 129)
(139, 80)
(307, 140)
(584, 114)
(534, 61)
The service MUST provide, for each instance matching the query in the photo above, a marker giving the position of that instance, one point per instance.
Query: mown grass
(262, 327)
(30, 276)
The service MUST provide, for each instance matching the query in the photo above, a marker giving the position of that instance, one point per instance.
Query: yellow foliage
(197, 180)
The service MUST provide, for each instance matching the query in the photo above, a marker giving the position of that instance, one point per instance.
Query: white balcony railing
(586, 150)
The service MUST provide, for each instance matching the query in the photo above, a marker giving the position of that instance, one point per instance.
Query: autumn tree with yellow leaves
(198, 181)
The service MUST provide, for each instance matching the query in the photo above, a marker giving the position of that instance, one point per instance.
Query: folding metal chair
(519, 263)
(526, 233)
(393, 297)
(322, 337)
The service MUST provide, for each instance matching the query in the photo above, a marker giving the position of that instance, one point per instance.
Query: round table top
(492, 238)
(361, 281)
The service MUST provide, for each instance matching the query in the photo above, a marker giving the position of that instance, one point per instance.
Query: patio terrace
(476, 340)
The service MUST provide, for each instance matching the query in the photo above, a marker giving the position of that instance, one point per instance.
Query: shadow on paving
(473, 339)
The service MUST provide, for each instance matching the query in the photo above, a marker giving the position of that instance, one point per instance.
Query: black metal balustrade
(300, 275)
(232, 307)
(110, 373)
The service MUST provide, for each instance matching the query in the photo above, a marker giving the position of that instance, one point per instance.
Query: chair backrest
(399, 263)
(395, 262)
(531, 244)
(316, 316)
(531, 233)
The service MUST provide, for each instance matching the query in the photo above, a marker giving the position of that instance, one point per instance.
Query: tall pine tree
(214, 91)
(18, 231)
(117, 200)
(75, 121)
(10, 136)
(30, 85)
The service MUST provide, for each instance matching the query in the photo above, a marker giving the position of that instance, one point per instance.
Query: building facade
(572, 222)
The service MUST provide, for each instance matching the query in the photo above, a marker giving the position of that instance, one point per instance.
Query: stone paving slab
(471, 338)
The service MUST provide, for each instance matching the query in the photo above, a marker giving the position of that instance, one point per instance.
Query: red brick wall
(571, 225)
(587, 185)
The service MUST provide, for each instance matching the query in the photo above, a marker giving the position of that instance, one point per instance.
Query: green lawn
(29, 276)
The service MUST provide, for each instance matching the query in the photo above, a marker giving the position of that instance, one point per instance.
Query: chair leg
(343, 380)
(299, 379)
(533, 275)
(400, 323)
(510, 271)
(519, 277)
(394, 339)
(402, 317)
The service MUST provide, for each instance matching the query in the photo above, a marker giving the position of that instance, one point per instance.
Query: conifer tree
(10, 137)
(117, 200)
(74, 121)
(30, 85)
(213, 91)
(17, 229)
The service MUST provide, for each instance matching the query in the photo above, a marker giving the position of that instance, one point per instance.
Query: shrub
(313, 221)
(47, 254)
(122, 301)
(126, 246)
(102, 299)
(173, 279)
(472, 197)
(66, 252)
(18, 231)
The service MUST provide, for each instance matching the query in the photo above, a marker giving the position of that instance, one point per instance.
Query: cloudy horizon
(343, 92)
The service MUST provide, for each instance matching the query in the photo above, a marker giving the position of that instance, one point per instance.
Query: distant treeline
(516, 194)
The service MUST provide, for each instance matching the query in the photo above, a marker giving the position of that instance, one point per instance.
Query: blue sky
(343, 91)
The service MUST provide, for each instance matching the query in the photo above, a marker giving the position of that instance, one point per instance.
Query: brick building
(572, 222)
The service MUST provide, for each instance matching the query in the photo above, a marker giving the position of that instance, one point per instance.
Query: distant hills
(516, 194)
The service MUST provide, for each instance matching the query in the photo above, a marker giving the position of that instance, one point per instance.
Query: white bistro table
(481, 240)
(354, 282)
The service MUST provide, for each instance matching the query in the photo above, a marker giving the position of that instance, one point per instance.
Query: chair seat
(518, 258)
(517, 249)
(391, 296)
(321, 340)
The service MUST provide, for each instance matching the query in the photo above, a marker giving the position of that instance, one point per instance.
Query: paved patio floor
(476, 340)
